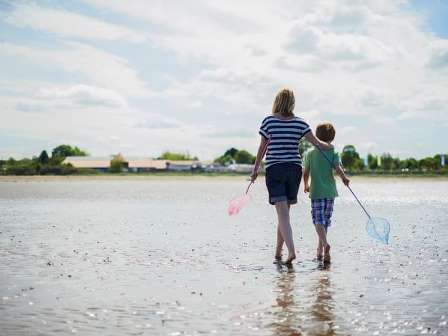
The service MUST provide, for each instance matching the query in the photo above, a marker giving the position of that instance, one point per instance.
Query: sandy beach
(131, 255)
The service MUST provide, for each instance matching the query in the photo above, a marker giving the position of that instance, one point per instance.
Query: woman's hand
(253, 176)
(345, 180)
(306, 188)
(316, 142)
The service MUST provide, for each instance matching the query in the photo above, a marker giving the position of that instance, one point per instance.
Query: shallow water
(148, 257)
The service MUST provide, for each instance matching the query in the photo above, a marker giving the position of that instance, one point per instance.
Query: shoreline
(185, 177)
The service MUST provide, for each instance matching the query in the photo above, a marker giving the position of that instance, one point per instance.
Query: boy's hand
(345, 180)
(306, 188)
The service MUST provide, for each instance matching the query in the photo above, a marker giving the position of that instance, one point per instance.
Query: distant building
(215, 168)
(89, 162)
(132, 164)
(138, 165)
(241, 168)
(183, 165)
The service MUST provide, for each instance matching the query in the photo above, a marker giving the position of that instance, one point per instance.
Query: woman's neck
(281, 117)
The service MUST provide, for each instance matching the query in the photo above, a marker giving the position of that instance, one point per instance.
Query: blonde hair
(284, 103)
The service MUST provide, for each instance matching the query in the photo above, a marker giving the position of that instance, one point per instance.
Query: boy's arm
(341, 174)
(306, 177)
(316, 142)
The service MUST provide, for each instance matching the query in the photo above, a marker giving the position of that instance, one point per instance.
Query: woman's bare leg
(280, 241)
(284, 226)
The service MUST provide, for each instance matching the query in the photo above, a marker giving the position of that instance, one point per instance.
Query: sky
(144, 76)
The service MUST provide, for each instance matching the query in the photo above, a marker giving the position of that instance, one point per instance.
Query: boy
(323, 186)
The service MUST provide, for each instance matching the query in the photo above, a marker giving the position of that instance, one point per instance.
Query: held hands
(306, 188)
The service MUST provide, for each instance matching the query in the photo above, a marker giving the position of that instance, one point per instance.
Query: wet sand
(160, 256)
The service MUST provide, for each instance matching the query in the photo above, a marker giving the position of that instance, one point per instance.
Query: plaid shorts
(321, 211)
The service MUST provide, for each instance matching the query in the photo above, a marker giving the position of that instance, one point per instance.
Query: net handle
(354, 195)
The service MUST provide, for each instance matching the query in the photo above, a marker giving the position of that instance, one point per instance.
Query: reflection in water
(322, 307)
(287, 318)
(293, 317)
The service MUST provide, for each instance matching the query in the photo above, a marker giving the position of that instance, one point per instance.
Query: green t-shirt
(322, 184)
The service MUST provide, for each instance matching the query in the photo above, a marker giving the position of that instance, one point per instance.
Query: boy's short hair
(325, 132)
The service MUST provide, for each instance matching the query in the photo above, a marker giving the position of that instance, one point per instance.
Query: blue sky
(141, 77)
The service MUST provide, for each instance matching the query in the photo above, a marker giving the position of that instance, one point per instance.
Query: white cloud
(347, 130)
(219, 64)
(158, 123)
(439, 54)
(65, 23)
(101, 68)
(83, 95)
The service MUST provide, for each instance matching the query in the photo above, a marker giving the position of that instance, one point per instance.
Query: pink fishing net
(237, 204)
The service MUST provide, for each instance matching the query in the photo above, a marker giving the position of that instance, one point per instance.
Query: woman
(281, 132)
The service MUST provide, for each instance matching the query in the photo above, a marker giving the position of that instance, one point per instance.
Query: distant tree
(62, 151)
(350, 158)
(177, 156)
(117, 164)
(234, 155)
(43, 158)
(22, 167)
(224, 160)
(372, 162)
(410, 163)
(428, 163)
(396, 163)
(231, 152)
(243, 156)
(437, 161)
(387, 162)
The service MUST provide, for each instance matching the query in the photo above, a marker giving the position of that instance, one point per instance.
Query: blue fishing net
(378, 228)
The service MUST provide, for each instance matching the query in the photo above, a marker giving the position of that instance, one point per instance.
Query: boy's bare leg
(322, 233)
(319, 251)
(284, 226)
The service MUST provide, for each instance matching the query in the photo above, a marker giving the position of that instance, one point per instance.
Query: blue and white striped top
(285, 136)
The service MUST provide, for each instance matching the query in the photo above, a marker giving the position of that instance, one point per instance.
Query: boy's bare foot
(290, 259)
(277, 259)
(327, 257)
(319, 254)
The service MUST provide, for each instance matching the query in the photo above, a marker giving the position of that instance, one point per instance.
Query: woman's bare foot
(277, 259)
(327, 257)
(290, 259)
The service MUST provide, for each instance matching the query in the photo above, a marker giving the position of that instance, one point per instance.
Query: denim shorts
(283, 181)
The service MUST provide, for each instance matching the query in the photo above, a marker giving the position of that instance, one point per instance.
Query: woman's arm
(316, 142)
(260, 155)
